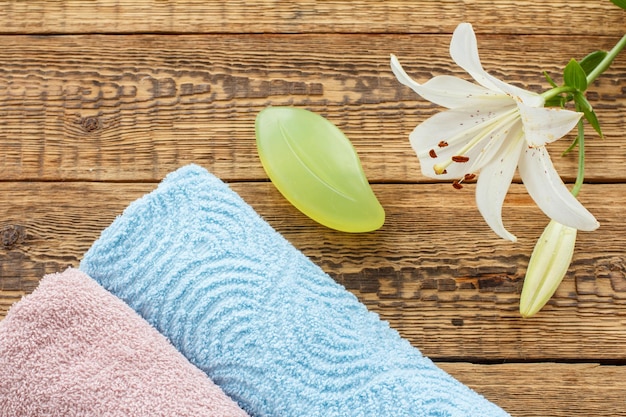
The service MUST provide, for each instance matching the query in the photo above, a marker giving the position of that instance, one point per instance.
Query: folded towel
(277, 334)
(73, 349)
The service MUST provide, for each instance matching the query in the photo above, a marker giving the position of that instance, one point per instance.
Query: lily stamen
(488, 128)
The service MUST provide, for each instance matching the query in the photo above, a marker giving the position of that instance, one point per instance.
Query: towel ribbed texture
(277, 334)
(73, 349)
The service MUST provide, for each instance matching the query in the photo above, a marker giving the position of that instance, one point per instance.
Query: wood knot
(11, 234)
(457, 322)
(90, 123)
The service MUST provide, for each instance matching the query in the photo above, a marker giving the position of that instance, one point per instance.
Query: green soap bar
(316, 168)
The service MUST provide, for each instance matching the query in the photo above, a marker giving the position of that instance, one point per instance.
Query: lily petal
(402, 76)
(447, 133)
(464, 51)
(448, 91)
(523, 96)
(550, 193)
(543, 125)
(493, 184)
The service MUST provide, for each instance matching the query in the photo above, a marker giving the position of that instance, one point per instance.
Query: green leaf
(591, 61)
(549, 79)
(588, 111)
(620, 3)
(592, 118)
(571, 146)
(574, 76)
(316, 168)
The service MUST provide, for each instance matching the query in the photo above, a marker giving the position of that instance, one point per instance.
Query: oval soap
(316, 168)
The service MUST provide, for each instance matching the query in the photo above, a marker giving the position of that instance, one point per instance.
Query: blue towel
(274, 331)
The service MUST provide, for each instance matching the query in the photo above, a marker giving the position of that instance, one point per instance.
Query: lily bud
(548, 264)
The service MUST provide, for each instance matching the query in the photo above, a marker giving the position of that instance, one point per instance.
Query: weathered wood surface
(136, 107)
(548, 389)
(597, 17)
(100, 99)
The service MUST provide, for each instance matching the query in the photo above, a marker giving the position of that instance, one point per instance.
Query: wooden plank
(548, 389)
(306, 16)
(434, 271)
(133, 108)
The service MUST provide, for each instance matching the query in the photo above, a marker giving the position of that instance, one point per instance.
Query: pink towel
(73, 349)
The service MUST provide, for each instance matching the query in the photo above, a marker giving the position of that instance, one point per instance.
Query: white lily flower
(548, 265)
(493, 127)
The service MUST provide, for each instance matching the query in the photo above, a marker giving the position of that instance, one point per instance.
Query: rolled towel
(73, 349)
(277, 334)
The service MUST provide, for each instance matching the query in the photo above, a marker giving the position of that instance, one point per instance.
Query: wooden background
(100, 99)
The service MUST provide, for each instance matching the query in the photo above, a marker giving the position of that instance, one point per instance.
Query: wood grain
(133, 108)
(309, 16)
(434, 271)
(548, 389)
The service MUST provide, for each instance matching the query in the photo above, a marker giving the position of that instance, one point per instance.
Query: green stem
(595, 73)
(606, 62)
(580, 139)
(553, 92)
(580, 175)
(591, 77)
